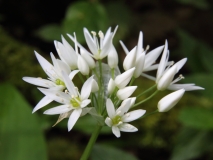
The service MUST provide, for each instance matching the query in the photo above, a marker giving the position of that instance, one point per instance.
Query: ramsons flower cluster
(106, 93)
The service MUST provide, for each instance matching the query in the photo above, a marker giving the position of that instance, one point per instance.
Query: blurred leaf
(101, 152)
(191, 144)
(197, 117)
(85, 14)
(20, 133)
(203, 80)
(50, 32)
(199, 54)
(201, 4)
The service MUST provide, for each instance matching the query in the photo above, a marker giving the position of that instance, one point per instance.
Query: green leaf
(197, 117)
(101, 152)
(84, 14)
(191, 144)
(21, 137)
(50, 32)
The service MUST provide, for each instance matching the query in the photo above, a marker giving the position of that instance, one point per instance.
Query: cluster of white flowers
(105, 93)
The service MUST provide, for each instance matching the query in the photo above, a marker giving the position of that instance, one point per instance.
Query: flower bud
(130, 59)
(95, 87)
(90, 61)
(112, 58)
(126, 92)
(83, 66)
(169, 101)
(123, 79)
(111, 86)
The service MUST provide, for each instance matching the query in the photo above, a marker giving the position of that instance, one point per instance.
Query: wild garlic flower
(72, 100)
(55, 80)
(106, 92)
(117, 119)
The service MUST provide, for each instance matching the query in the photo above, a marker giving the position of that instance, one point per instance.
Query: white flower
(138, 58)
(118, 119)
(126, 92)
(66, 53)
(55, 80)
(72, 100)
(166, 73)
(123, 79)
(169, 101)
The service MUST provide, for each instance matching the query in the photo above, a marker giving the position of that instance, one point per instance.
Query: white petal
(72, 74)
(139, 65)
(169, 101)
(110, 108)
(39, 82)
(132, 102)
(133, 115)
(69, 84)
(56, 95)
(85, 102)
(125, 127)
(152, 56)
(126, 92)
(73, 118)
(148, 76)
(63, 67)
(58, 110)
(123, 108)
(129, 61)
(124, 47)
(180, 63)
(90, 42)
(123, 79)
(85, 111)
(106, 48)
(112, 58)
(87, 57)
(186, 87)
(86, 89)
(83, 66)
(162, 63)
(111, 86)
(167, 78)
(108, 122)
(116, 131)
(140, 43)
(95, 87)
(43, 102)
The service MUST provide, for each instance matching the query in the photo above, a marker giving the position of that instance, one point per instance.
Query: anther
(94, 33)
(101, 35)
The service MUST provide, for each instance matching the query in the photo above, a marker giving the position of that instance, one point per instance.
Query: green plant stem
(81, 77)
(91, 142)
(152, 95)
(148, 114)
(132, 80)
(146, 91)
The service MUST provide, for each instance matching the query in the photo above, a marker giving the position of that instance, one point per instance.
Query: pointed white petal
(73, 118)
(58, 110)
(148, 76)
(140, 43)
(69, 84)
(83, 66)
(186, 87)
(112, 58)
(86, 88)
(95, 87)
(72, 74)
(152, 56)
(123, 108)
(126, 92)
(111, 86)
(106, 48)
(169, 101)
(43, 102)
(108, 122)
(139, 65)
(130, 59)
(132, 101)
(161, 67)
(116, 131)
(125, 127)
(90, 42)
(110, 108)
(133, 115)
(87, 57)
(85, 102)
(180, 63)
(56, 95)
(123, 79)
(167, 78)
(124, 47)
(39, 82)
(63, 67)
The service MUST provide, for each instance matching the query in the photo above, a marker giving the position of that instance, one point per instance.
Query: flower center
(75, 101)
(59, 82)
(116, 119)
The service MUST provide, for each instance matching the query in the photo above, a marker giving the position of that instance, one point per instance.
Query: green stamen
(59, 82)
(75, 102)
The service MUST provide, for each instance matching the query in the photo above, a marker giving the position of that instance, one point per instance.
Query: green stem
(132, 80)
(148, 114)
(152, 95)
(81, 77)
(113, 73)
(91, 142)
(146, 91)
